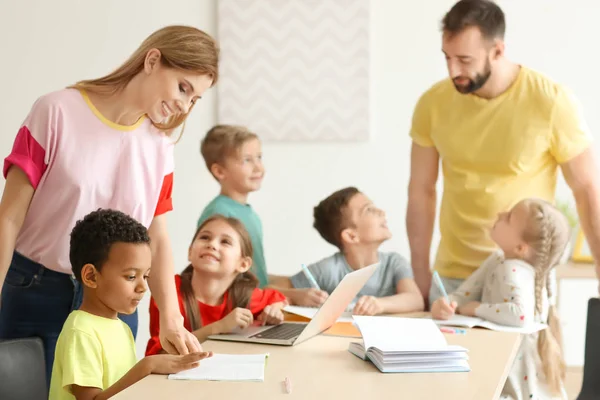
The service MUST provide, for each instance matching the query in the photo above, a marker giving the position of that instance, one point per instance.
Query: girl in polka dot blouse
(513, 287)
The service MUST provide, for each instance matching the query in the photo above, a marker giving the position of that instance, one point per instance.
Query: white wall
(47, 45)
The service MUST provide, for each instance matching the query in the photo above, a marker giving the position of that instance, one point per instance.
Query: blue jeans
(36, 301)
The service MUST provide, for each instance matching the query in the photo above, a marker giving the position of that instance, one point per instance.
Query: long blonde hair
(240, 291)
(547, 233)
(181, 47)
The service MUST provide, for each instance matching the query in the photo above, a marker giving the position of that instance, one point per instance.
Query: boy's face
(121, 282)
(244, 171)
(368, 222)
(216, 250)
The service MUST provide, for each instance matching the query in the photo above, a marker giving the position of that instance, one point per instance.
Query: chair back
(590, 387)
(22, 370)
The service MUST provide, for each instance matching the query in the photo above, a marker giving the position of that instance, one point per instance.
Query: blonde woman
(101, 143)
(513, 288)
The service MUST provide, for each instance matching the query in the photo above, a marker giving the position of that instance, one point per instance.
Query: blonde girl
(217, 292)
(100, 143)
(513, 287)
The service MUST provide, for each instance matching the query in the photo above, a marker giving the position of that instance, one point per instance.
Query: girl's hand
(272, 314)
(238, 318)
(442, 310)
(469, 308)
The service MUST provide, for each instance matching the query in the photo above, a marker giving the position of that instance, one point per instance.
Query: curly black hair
(93, 236)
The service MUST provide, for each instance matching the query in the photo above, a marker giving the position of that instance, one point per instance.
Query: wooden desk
(573, 270)
(323, 368)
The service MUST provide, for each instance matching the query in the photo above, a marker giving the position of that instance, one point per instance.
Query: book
(471, 322)
(407, 345)
(227, 367)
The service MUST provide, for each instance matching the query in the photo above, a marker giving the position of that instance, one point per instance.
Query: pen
(310, 277)
(438, 281)
(288, 385)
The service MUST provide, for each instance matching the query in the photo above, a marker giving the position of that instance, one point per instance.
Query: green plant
(567, 210)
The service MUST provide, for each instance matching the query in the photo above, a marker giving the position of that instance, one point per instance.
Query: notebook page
(459, 320)
(470, 322)
(227, 367)
(390, 334)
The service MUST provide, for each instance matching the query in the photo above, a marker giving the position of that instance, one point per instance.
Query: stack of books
(407, 345)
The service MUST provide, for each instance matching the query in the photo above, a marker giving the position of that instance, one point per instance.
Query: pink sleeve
(30, 151)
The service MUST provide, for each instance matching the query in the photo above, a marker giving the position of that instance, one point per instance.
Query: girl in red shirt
(217, 293)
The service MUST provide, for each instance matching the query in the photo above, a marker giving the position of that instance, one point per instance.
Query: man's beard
(476, 83)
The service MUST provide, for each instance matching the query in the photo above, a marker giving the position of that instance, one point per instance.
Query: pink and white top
(78, 161)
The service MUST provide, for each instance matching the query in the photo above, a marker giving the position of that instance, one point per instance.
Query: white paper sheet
(227, 367)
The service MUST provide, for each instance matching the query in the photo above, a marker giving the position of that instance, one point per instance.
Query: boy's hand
(272, 314)
(309, 297)
(442, 310)
(238, 318)
(368, 305)
(469, 308)
(172, 364)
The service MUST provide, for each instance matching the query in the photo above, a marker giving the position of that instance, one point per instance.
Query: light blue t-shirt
(228, 207)
(329, 272)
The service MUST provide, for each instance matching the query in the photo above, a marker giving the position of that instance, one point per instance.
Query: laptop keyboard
(282, 332)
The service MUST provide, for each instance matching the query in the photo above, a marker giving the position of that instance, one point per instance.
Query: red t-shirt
(259, 300)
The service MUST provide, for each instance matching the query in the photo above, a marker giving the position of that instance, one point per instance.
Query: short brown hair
(222, 141)
(329, 216)
(484, 14)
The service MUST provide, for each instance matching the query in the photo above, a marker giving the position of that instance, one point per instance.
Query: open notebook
(407, 345)
(470, 322)
(227, 367)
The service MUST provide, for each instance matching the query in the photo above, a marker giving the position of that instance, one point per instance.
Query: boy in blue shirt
(349, 220)
(95, 352)
(233, 156)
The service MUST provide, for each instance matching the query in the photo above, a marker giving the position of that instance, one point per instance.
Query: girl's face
(167, 91)
(508, 231)
(217, 250)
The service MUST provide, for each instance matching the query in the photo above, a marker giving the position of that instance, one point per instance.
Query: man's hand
(440, 309)
(308, 297)
(175, 339)
(469, 308)
(423, 280)
(368, 305)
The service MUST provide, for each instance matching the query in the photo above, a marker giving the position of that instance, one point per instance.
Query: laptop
(293, 333)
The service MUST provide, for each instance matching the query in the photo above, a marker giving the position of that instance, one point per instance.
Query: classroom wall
(47, 45)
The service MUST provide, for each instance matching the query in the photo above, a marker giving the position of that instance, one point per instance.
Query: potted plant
(568, 210)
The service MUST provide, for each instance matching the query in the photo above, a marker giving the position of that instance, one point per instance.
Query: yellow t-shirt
(91, 351)
(494, 153)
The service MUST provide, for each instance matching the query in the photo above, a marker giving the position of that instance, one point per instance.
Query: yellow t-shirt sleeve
(82, 361)
(420, 130)
(570, 132)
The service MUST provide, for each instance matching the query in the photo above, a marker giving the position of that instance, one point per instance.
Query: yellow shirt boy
(91, 351)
